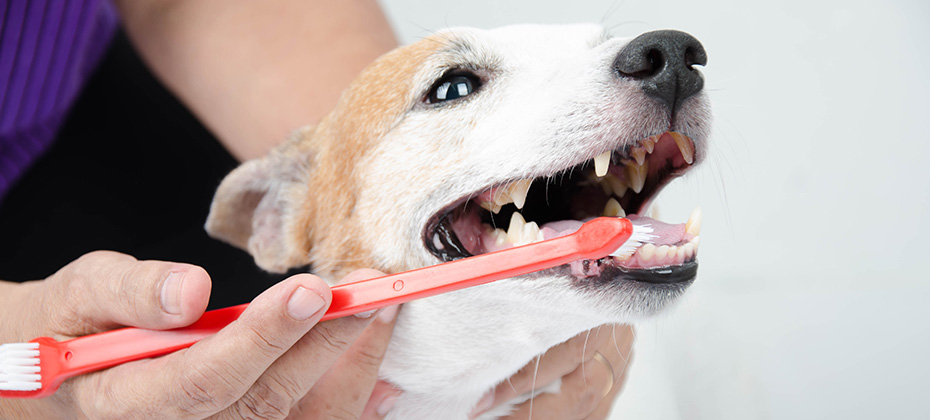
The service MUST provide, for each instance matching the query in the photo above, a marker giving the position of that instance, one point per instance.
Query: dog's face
(436, 146)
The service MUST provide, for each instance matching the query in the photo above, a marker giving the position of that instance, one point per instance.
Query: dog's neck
(469, 341)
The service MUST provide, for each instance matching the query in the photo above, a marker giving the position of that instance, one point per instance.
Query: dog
(470, 141)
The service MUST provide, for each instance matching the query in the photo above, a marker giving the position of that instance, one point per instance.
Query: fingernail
(304, 303)
(171, 293)
(388, 314)
(483, 404)
(366, 314)
(386, 405)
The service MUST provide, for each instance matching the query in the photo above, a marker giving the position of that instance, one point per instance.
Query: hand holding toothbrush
(257, 363)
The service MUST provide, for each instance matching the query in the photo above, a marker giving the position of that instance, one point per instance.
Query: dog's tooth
(650, 143)
(679, 252)
(639, 154)
(694, 222)
(661, 252)
(500, 237)
(490, 206)
(613, 209)
(531, 233)
(695, 241)
(617, 186)
(636, 175)
(518, 192)
(646, 252)
(502, 196)
(689, 249)
(515, 230)
(602, 163)
(684, 145)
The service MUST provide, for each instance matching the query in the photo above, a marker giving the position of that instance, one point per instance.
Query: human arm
(253, 71)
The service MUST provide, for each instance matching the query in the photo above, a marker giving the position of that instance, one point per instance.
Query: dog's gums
(612, 183)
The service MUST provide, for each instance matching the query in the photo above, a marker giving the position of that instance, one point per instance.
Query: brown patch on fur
(325, 224)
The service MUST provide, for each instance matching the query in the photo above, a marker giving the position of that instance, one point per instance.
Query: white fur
(552, 101)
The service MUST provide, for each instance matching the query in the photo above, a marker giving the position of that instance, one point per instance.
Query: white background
(811, 300)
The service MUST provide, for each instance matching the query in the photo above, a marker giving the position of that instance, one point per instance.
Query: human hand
(584, 363)
(275, 361)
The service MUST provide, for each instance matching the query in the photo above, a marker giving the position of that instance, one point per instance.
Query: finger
(580, 394)
(103, 290)
(619, 352)
(214, 373)
(348, 385)
(293, 375)
(554, 364)
(381, 402)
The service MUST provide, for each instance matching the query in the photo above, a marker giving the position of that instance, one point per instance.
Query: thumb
(103, 290)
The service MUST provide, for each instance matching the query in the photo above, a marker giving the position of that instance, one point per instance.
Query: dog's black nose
(663, 61)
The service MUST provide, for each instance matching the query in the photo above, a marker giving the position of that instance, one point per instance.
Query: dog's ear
(257, 207)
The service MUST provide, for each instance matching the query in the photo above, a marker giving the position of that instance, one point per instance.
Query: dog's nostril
(663, 62)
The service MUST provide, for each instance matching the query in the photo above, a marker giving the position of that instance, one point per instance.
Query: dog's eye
(453, 86)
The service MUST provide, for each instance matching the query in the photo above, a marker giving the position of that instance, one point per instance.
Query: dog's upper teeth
(636, 175)
(602, 163)
(650, 143)
(613, 209)
(518, 192)
(684, 145)
(639, 153)
(693, 226)
(490, 206)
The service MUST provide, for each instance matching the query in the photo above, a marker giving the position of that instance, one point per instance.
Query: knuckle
(203, 392)
(330, 340)
(264, 402)
(266, 345)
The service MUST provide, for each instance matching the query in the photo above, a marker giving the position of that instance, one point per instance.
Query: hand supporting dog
(584, 364)
(274, 361)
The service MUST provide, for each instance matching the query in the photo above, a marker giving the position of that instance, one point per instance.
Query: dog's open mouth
(616, 183)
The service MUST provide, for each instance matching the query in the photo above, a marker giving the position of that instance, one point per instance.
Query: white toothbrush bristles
(641, 235)
(19, 367)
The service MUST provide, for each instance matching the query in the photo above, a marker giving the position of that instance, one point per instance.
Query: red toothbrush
(36, 369)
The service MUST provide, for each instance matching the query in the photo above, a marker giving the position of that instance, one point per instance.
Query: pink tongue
(667, 234)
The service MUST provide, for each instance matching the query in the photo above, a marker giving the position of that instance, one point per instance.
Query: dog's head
(470, 141)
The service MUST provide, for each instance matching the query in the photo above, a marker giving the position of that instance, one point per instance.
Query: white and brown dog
(439, 145)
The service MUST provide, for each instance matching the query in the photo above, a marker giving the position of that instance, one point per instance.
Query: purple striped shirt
(48, 49)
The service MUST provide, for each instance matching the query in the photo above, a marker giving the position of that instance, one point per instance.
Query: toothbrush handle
(595, 239)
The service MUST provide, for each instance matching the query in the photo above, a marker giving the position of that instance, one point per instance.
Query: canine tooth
(650, 143)
(613, 209)
(617, 186)
(515, 230)
(646, 252)
(518, 192)
(662, 252)
(639, 154)
(602, 163)
(684, 145)
(636, 176)
(694, 222)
